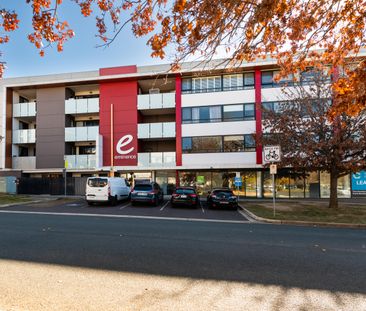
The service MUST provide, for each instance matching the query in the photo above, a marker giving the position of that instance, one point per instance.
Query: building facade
(193, 127)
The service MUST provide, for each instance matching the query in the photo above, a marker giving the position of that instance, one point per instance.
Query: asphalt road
(124, 208)
(305, 257)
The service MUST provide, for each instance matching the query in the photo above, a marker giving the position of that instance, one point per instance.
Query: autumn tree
(311, 140)
(287, 30)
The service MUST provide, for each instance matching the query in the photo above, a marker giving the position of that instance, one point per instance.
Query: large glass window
(207, 144)
(233, 112)
(233, 143)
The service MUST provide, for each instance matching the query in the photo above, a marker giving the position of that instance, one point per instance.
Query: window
(249, 111)
(233, 143)
(249, 80)
(202, 114)
(187, 144)
(233, 82)
(218, 113)
(233, 112)
(186, 115)
(201, 144)
(86, 149)
(249, 142)
(187, 85)
(311, 75)
(268, 79)
(270, 107)
(206, 84)
(207, 144)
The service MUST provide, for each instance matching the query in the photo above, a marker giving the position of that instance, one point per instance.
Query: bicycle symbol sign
(272, 154)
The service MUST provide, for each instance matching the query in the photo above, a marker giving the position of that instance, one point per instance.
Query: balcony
(24, 136)
(86, 133)
(156, 130)
(81, 105)
(156, 101)
(24, 110)
(82, 161)
(24, 163)
(156, 159)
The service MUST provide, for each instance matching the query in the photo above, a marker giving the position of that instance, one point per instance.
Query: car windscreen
(184, 191)
(98, 182)
(223, 192)
(143, 187)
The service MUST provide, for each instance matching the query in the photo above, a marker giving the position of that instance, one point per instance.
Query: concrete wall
(50, 133)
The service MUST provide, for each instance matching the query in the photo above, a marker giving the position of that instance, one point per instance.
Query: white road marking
(203, 211)
(164, 205)
(242, 214)
(129, 216)
(123, 206)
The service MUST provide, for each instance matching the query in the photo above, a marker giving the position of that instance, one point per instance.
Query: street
(274, 267)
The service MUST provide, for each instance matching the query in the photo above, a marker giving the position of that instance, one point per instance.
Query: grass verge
(313, 212)
(13, 198)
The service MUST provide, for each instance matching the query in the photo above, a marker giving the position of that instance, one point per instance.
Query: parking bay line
(203, 210)
(123, 206)
(164, 205)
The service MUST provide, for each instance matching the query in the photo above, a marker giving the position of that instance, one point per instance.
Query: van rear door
(97, 189)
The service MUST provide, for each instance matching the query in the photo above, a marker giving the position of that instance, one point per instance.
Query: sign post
(272, 154)
(238, 183)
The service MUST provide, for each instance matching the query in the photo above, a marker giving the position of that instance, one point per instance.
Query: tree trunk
(333, 200)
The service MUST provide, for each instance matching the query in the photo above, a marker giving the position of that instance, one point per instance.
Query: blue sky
(80, 53)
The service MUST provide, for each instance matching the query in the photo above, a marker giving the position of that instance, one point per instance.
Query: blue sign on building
(359, 183)
(237, 181)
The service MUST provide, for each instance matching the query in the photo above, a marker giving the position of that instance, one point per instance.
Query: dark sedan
(185, 196)
(222, 198)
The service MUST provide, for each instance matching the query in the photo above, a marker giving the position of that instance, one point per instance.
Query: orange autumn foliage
(290, 31)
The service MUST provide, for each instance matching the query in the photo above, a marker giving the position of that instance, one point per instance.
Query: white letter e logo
(125, 140)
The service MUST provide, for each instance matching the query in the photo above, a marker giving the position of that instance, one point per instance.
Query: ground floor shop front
(247, 183)
(253, 183)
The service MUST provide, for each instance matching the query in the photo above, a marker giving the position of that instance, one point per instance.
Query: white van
(106, 189)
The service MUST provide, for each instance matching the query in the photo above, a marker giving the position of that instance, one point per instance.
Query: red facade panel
(121, 99)
(178, 120)
(258, 112)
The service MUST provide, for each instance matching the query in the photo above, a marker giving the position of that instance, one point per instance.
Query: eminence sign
(126, 150)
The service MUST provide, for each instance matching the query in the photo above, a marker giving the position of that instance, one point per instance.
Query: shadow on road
(308, 258)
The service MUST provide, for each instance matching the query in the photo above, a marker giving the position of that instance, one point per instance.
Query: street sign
(271, 154)
(238, 181)
(273, 169)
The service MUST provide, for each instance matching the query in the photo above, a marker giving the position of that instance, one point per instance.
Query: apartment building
(193, 127)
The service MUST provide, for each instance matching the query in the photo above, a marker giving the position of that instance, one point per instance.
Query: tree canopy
(290, 31)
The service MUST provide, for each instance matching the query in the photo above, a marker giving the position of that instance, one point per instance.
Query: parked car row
(114, 189)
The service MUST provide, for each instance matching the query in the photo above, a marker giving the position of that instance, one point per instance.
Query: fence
(52, 186)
